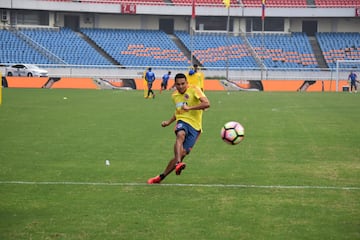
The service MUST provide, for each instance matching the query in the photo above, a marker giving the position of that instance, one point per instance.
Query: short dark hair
(180, 75)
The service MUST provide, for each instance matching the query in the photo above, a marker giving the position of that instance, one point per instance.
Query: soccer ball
(232, 133)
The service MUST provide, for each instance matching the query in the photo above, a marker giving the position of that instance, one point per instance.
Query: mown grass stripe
(183, 185)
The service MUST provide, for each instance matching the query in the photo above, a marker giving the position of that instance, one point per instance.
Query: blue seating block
(15, 50)
(218, 49)
(67, 45)
(284, 50)
(138, 47)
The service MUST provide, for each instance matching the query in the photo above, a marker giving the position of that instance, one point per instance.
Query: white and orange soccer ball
(232, 133)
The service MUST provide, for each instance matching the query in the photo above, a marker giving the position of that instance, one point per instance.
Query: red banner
(128, 8)
(357, 12)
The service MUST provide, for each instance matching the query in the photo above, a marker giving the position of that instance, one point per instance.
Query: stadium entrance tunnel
(242, 85)
(115, 83)
(305, 86)
(50, 82)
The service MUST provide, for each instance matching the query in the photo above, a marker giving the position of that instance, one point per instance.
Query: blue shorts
(191, 135)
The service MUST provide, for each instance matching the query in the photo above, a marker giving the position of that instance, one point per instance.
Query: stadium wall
(209, 85)
(326, 24)
(151, 22)
(176, 10)
(106, 15)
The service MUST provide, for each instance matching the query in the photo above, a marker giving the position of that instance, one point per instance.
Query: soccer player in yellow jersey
(196, 77)
(189, 102)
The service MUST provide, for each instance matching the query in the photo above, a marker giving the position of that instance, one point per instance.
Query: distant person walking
(165, 80)
(353, 79)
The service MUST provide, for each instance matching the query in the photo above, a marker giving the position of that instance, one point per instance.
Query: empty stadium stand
(284, 50)
(67, 45)
(218, 50)
(339, 46)
(138, 47)
(156, 48)
(216, 3)
(138, 2)
(219, 3)
(276, 3)
(337, 3)
(15, 50)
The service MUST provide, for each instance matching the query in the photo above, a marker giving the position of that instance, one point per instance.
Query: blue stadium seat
(138, 47)
(218, 50)
(339, 46)
(284, 50)
(67, 45)
(15, 50)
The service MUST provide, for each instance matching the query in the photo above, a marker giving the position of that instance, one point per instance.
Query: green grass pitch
(296, 175)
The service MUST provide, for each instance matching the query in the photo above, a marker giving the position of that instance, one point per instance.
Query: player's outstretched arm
(204, 104)
(168, 122)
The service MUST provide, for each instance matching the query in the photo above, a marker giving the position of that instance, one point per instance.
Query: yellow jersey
(191, 97)
(196, 79)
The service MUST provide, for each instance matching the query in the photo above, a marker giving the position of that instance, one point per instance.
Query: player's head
(196, 67)
(181, 83)
(169, 72)
(149, 69)
(180, 75)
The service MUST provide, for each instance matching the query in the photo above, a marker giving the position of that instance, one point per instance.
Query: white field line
(182, 185)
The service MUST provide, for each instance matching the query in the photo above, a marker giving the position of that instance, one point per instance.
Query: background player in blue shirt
(150, 78)
(165, 80)
(352, 77)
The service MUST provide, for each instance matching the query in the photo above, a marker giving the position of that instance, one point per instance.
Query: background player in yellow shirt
(189, 102)
(196, 77)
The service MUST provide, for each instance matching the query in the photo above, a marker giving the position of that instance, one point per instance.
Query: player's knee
(180, 135)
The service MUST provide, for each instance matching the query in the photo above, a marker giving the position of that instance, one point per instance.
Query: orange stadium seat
(284, 51)
(248, 3)
(217, 50)
(204, 2)
(339, 46)
(337, 3)
(138, 47)
(276, 3)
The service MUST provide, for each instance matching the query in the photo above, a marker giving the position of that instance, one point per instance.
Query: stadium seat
(16, 50)
(337, 3)
(214, 3)
(218, 50)
(138, 47)
(66, 45)
(276, 3)
(142, 2)
(339, 46)
(284, 50)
